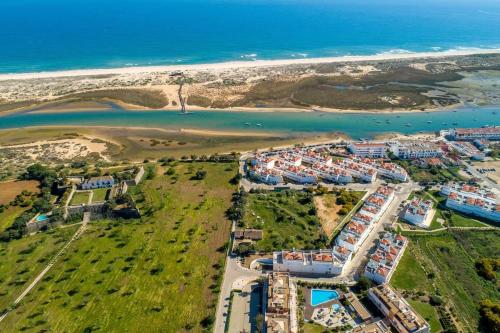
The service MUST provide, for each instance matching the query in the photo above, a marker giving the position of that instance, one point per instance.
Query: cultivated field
(9, 190)
(158, 274)
(23, 259)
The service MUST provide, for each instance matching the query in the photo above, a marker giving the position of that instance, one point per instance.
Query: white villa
(98, 182)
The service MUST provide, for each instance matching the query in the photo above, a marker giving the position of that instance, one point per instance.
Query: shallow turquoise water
(60, 34)
(319, 296)
(354, 124)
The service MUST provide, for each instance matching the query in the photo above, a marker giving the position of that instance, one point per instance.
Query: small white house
(98, 182)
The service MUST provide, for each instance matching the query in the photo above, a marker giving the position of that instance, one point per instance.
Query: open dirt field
(327, 211)
(9, 190)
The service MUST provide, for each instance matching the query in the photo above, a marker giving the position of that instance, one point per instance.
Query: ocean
(78, 34)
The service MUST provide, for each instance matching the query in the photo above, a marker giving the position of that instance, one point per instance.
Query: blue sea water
(46, 35)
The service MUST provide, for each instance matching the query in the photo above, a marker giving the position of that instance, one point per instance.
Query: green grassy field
(158, 274)
(410, 274)
(429, 313)
(287, 218)
(450, 257)
(24, 258)
(80, 198)
(8, 216)
(99, 194)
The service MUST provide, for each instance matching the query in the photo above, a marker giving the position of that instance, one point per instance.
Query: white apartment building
(415, 149)
(385, 259)
(489, 133)
(279, 300)
(372, 150)
(307, 262)
(472, 200)
(419, 212)
(397, 311)
(467, 149)
(98, 182)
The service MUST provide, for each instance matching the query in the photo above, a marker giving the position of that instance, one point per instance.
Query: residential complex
(362, 223)
(278, 313)
(489, 133)
(372, 150)
(332, 262)
(419, 212)
(309, 166)
(397, 311)
(415, 149)
(384, 260)
(472, 200)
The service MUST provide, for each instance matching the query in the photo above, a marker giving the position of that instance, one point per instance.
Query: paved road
(77, 234)
(235, 277)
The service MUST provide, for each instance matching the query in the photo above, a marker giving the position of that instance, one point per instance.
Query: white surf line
(48, 267)
(242, 64)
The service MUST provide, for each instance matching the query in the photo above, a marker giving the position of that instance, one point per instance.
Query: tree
(200, 174)
(364, 283)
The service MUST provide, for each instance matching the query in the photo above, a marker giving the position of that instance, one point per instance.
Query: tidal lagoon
(356, 125)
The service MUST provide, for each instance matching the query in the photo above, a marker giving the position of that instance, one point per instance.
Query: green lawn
(429, 313)
(80, 198)
(431, 174)
(99, 194)
(451, 257)
(158, 274)
(288, 219)
(313, 328)
(24, 258)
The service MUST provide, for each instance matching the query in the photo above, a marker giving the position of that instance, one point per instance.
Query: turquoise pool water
(319, 296)
(41, 218)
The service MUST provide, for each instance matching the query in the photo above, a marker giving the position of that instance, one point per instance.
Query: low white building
(415, 149)
(98, 182)
(307, 262)
(385, 259)
(372, 150)
(397, 311)
(419, 212)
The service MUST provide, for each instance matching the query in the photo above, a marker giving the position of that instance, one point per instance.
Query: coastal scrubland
(384, 85)
(443, 266)
(132, 275)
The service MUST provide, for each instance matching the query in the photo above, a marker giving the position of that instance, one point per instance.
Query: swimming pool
(319, 296)
(41, 218)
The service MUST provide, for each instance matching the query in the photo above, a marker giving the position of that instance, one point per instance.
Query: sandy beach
(243, 64)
